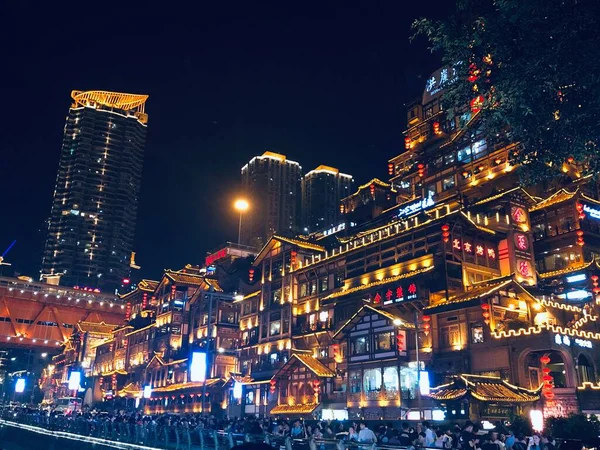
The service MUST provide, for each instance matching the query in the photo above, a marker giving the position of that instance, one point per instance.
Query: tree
(532, 67)
(576, 426)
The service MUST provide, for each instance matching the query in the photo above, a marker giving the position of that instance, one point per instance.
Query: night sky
(227, 81)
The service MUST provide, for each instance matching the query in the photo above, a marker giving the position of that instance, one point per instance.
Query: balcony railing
(307, 328)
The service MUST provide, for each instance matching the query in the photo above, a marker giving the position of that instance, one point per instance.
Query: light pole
(241, 206)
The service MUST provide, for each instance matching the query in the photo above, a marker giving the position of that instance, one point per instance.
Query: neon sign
(400, 294)
(469, 247)
(416, 207)
(594, 213)
(333, 230)
(566, 340)
(521, 241)
(210, 259)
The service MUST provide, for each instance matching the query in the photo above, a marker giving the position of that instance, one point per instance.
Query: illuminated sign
(518, 214)
(579, 294)
(576, 278)
(20, 386)
(237, 390)
(210, 259)
(198, 367)
(333, 230)
(521, 241)
(594, 213)
(397, 295)
(437, 82)
(416, 207)
(537, 420)
(477, 248)
(524, 268)
(74, 381)
(147, 391)
(560, 339)
(424, 382)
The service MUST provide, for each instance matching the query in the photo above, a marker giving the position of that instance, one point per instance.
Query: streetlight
(241, 206)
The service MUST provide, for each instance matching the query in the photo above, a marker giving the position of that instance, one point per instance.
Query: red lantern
(549, 395)
(436, 127)
(400, 344)
(548, 378)
(128, 311)
(486, 315)
(426, 319)
(595, 278)
(580, 212)
(390, 169)
(273, 384)
(342, 209)
(426, 328)
(473, 73)
(445, 232)
(316, 384)
(336, 351)
(546, 370)
(407, 143)
(251, 275)
(545, 359)
(476, 104)
(570, 160)
(421, 169)
(293, 256)
(580, 240)
(465, 174)
(485, 306)
(372, 189)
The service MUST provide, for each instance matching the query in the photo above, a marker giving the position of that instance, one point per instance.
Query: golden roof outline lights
(126, 102)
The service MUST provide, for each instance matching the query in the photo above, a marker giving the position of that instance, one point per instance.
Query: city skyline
(309, 95)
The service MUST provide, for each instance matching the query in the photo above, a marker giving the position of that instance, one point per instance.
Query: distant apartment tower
(272, 184)
(322, 190)
(92, 222)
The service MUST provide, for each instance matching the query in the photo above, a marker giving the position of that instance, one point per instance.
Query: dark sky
(322, 82)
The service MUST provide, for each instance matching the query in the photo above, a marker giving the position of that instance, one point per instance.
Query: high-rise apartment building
(322, 190)
(92, 222)
(272, 184)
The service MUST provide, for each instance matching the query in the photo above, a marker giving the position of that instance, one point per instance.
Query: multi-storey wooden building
(497, 283)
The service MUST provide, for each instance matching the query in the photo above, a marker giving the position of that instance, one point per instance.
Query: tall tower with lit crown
(92, 222)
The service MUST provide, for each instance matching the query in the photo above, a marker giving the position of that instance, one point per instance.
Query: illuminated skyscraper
(322, 190)
(272, 184)
(92, 222)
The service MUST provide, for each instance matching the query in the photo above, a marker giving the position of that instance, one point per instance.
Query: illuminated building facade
(457, 256)
(271, 183)
(92, 222)
(322, 190)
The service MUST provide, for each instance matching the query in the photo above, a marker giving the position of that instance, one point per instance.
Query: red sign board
(210, 259)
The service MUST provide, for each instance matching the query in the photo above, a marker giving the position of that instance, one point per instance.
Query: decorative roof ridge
(551, 200)
(556, 273)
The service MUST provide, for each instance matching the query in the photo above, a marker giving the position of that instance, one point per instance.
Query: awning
(485, 389)
(295, 409)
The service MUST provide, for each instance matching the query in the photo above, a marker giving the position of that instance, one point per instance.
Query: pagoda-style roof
(189, 385)
(396, 319)
(130, 390)
(96, 328)
(558, 197)
(566, 270)
(478, 293)
(248, 296)
(499, 195)
(158, 360)
(307, 360)
(277, 240)
(485, 389)
(307, 408)
(375, 181)
(148, 285)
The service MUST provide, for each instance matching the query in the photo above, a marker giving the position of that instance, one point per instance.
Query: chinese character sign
(524, 268)
(521, 241)
(518, 215)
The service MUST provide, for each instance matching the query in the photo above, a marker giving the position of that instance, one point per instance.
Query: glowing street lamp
(241, 206)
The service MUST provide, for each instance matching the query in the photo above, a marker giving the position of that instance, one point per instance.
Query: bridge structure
(35, 314)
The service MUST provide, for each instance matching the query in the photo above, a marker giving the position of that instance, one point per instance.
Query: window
(323, 284)
(303, 290)
(430, 191)
(449, 336)
(448, 183)
(275, 328)
(276, 295)
(390, 379)
(360, 345)
(477, 334)
(355, 382)
(372, 380)
(384, 341)
(250, 398)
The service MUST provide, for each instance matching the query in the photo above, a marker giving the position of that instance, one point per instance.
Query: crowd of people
(393, 434)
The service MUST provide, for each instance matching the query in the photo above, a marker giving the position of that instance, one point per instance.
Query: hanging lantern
(273, 384)
(546, 370)
(570, 160)
(390, 169)
(251, 275)
(476, 104)
(293, 255)
(436, 127)
(342, 209)
(182, 396)
(372, 189)
(316, 384)
(548, 378)
(580, 240)
(498, 161)
(144, 300)
(426, 319)
(580, 212)
(473, 73)
(426, 328)
(407, 143)
(545, 359)
(465, 174)
(486, 315)
(445, 232)
(485, 306)
(549, 395)
(421, 169)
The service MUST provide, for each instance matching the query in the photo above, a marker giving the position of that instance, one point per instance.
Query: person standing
(365, 435)
(430, 436)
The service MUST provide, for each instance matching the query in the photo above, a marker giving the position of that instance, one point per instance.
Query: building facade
(271, 183)
(92, 222)
(322, 190)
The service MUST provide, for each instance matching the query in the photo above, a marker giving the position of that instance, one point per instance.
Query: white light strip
(75, 437)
